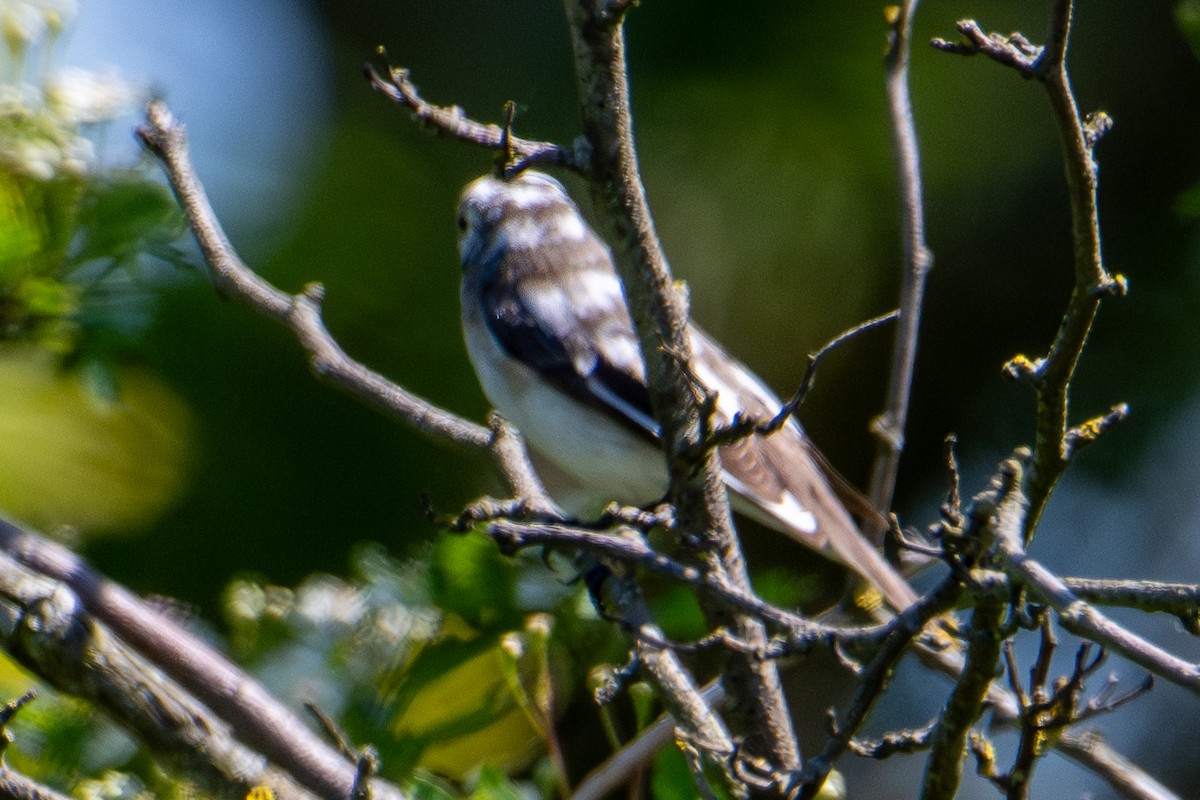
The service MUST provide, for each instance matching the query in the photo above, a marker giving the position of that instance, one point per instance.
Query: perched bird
(549, 333)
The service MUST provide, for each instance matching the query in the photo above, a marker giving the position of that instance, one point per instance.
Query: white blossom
(82, 97)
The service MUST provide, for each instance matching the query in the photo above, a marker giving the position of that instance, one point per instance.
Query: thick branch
(48, 630)
(233, 696)
(660, 316)
(1089, 750)
(1181, 600)
(15, 786)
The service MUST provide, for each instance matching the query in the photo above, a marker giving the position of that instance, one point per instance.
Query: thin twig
(1085, 620)
(626, 762)
(745, 425)
(917, 260)
(519, 153)
(872, 682)
(943, 771)
(621, 597)
(166, 138)
(1051, 375)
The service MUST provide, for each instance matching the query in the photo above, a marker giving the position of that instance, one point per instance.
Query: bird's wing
(578, 336)
(778, 478)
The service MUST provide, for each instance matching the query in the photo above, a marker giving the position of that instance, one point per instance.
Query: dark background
(766, 156)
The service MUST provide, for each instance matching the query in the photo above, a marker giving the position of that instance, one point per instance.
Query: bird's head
(529, 212)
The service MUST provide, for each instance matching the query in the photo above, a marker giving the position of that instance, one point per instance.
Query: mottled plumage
(550, 336)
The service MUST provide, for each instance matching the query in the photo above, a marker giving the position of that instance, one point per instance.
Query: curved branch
(166, 138)
(450, 121)
(1086, 621)
(1054, 442)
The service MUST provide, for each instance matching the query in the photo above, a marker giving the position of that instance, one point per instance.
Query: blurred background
(765, 151)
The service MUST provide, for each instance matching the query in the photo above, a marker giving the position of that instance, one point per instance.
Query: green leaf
(47, 297)
(495, 785)
(19, 236)
(425, 786)
(470, 577)
(124, 217)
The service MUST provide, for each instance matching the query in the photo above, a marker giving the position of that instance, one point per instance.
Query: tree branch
(236, 699)
(758, 709)
(1181, 600)
(47, 628)
(917, 260)
(1051, 375)
(166, 138)
(1084, 620)
(450, 121)
(943, 771)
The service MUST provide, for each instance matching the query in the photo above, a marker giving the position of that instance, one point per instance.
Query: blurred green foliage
(87, 441)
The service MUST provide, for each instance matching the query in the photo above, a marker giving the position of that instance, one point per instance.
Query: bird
(549, 333)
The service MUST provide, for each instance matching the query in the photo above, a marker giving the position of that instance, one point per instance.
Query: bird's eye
(462, 222)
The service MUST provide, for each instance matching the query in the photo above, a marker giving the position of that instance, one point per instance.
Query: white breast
(607, 461)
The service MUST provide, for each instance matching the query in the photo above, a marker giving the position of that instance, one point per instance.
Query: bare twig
(694, 717)
(14, 785)
(918, 260)
(943, 771)
(1181, 600)
(872, 682)
(758, 709)
(1084, 620)
(1051, 375)
(1078, 437)
(744, 425)
(629, 547)
(894, 742)
(617, 769)
(1013, 50)
(450, 121)
(166, 138)
(1090, 751)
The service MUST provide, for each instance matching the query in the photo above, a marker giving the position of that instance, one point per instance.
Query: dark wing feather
(569, 361)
